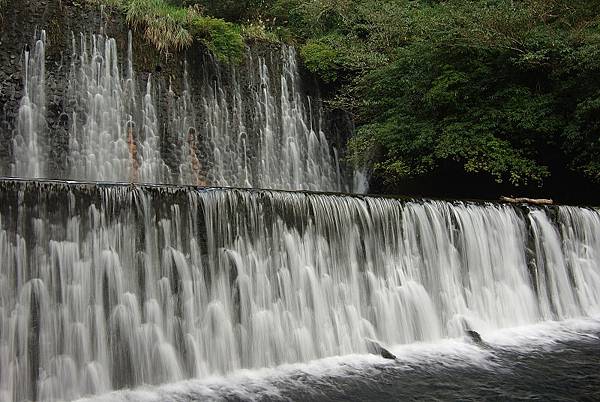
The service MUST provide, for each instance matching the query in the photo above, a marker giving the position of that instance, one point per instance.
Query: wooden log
(523, 200)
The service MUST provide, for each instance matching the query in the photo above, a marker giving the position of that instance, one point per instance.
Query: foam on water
(446, 354)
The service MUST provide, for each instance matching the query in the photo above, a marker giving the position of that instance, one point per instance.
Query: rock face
(65, 21)
(21, 20)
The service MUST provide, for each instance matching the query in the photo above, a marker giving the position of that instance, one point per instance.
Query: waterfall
(237, 126)
(28, 143)
(104, 287)
(264, 135)
(182, 119)
(114, 135)
(112, 286)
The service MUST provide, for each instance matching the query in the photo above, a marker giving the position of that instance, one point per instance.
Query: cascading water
(131, 285)
(114, 135)
(281, 146)
(259, 131)
(28, 144)
(106, 287)
(182, 121)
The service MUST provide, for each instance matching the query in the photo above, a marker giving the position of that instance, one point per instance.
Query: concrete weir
(110, 286)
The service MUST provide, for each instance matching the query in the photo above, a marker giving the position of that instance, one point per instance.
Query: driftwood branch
(540, 201)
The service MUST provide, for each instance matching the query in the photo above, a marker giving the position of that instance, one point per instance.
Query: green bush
(172, 27)
(322, 59)
(166, 26)
(222, 38)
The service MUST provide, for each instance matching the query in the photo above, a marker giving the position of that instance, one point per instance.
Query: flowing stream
(106, 287)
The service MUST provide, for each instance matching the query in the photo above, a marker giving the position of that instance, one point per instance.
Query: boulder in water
(476, 338)
(474, 335)
(375, 348)
(471, 334)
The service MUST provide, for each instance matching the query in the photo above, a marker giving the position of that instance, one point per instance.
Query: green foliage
(321, 58)
(220, 37)
(231, 10)
(171, 27)
(258, 31)
(166, 26)
(505, 88)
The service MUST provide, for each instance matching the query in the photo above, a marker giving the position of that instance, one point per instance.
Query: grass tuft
(163, 25)
(171, 28)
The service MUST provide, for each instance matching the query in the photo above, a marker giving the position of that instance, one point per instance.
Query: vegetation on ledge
(171, 27)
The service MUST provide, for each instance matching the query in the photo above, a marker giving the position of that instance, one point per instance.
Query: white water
(284, 148)
(193, 167)
(255, 132)
(308, 378)
(109, 117)
(29, 140)
(125, 286)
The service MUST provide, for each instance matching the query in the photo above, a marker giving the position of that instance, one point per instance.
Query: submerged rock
(375, 348)
(474, 336)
